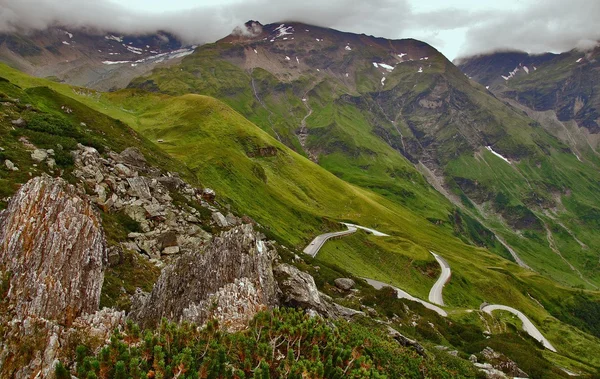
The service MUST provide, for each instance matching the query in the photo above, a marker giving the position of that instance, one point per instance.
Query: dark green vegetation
(283, 343)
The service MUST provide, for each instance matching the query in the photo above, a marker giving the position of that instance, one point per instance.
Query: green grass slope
(295, 199)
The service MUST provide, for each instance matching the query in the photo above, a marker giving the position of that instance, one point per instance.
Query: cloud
(204, 23)
(531, 25)
(551, 25)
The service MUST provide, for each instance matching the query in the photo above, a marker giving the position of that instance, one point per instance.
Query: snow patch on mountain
(65, 43)
(115, 62)
(511, 74)
(420, 70)
(69, 34)
(402, 55)
(526, 69)
(498, 155)
(114, 38)
(348, 48)
(579, 60)
(283, 30)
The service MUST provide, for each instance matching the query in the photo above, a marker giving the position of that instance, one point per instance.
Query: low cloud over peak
(529, 25)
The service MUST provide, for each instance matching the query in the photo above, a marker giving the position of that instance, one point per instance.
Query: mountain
(385, 114)
(89, 58)
(359, 149)
(565, 84)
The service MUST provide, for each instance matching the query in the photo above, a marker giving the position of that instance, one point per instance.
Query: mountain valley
(205, 171)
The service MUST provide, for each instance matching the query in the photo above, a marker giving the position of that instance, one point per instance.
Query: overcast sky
(456, 28)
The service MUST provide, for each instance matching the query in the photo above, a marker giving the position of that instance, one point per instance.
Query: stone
(51, 162)
(10, 166)
(171, 250)
(407, 342)
(53, 244)
(299, 290)
(39, 155)
(133, 157)
(232, 220)
(123, 171)
(344, 284)
(219, 219)
(473, 358)
(154, 210)
(19, 122)
(235, 269)
(136, 212)
(138, 187)
(208, 194)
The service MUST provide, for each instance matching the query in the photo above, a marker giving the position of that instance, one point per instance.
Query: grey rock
(454, 353)
(138, 187)
(221, 275)
(407, 342)
(208, 194)
(220, 219)
(10, 166)
(171, 250)
(133, 157)
(51, 162)
(123, 171)
(232, 220)
(54, 246)
(473, 358)
(344, 283)
(19, 122)
(155, 210)
(39, 155)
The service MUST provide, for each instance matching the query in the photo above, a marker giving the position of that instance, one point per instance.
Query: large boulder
(52, 247)
(231, 281)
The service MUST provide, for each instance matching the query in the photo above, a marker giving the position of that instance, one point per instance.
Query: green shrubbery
(282, 343)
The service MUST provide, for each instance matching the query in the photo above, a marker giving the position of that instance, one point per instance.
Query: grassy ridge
(297, 199)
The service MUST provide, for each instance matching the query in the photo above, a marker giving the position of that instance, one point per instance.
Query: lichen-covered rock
(231, 280)
(52, 245)
(344, 284)
(298, 289)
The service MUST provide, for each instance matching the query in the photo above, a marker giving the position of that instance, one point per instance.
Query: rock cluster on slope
(126, 183)
(231, 280)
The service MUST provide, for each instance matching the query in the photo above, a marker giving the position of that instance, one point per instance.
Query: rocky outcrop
(52, 245)
(126, 183)
(52, 258)
(299, 290)
(230, 280)
(407, 342)
(499, 362)
(345, 284)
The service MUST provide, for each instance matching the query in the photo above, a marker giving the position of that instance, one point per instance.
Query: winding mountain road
(313, 248)
(527, 324)
(405, 295)
(435, 294)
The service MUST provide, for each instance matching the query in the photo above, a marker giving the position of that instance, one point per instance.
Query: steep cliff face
(230, 281)
(52, 258)
(52, 246)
